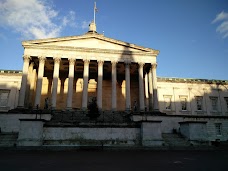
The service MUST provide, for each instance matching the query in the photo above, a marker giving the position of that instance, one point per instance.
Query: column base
(114, 110)
(68, 108)
(128, 110)
(84, 109)
(141, 110)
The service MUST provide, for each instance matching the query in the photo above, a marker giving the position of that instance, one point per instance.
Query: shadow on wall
(199, 99)
(9, 94)
(174, 99)
(126, 56)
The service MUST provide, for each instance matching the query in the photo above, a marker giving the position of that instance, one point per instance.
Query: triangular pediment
(91, 41)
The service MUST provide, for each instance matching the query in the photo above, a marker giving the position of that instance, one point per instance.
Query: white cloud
(85, 24)
(223, 26)
(33, 18)
(69, 19)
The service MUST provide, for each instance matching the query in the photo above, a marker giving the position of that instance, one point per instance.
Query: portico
(78, 68)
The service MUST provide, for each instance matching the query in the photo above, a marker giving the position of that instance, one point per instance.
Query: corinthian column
(39, 80)
(21, 101)
(141, 88)
(155, 90)
(150, 90)
(70, 83)
(127, 87)
(99, 87)
(55, 81)
(113, 85)
(85, 84)
(146, 92)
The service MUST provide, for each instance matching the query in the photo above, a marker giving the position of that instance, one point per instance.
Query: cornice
(86, 36)
(91, 50)
(191, 80)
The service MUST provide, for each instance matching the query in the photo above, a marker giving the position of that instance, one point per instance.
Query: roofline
(91, 35)
(192, 80)
(3, 71)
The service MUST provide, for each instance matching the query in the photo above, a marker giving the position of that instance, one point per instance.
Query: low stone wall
(31, 132)
(170, 124)
(10, 122)
(194, 131)
(117, 135)
(151, 133)
(95, 136)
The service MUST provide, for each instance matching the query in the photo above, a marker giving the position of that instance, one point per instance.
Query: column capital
(26, 58)
(71, 61)
(127, 62)
(57, 60)
(86, 61)
(42, 59)
(154, 65)
(141, 64)
(114, 62)
(100, 62)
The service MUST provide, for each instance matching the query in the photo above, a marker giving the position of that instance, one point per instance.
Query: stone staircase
(175, 140)
(79, 116)
(8, 139)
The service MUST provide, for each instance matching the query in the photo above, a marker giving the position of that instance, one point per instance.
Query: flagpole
(94, 11)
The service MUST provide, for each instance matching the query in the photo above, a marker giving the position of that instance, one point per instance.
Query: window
(226, 99)
(199, 102)
(214, 103)
(218, 128)
(167, 100)
(183, 101)
(4, 95)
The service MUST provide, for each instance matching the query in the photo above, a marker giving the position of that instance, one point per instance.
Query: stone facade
(193, 96)
(66, 74)
(70, 71)
(10, 82)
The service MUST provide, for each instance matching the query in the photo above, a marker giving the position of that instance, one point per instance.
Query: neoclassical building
(70, 71)
(66, 74)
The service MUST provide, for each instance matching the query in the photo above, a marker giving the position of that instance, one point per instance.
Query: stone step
(175, 140)
(80, 116)
(8, 139)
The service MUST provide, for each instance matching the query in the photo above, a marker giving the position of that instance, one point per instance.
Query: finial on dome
(92, 27)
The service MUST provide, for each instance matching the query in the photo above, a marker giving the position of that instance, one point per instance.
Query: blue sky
(191, 35)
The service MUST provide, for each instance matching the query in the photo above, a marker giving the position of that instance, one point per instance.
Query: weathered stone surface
(31, 132)
(91, 136)
(195, 131)
(151, 133)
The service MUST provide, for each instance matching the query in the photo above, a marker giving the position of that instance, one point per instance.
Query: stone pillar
(113, 85)
(151, 134)
(99, 87)
(85, 84)
(127, 86)
(155, 90)
(39, 81)
(141, 88)
(32, 87)
(70, 83)
(55, 82)
(146, 92)
(21, 101)
(28, 91)
(150, 90)
(31, 132)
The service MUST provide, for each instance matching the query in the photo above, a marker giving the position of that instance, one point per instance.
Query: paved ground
(113, 160)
